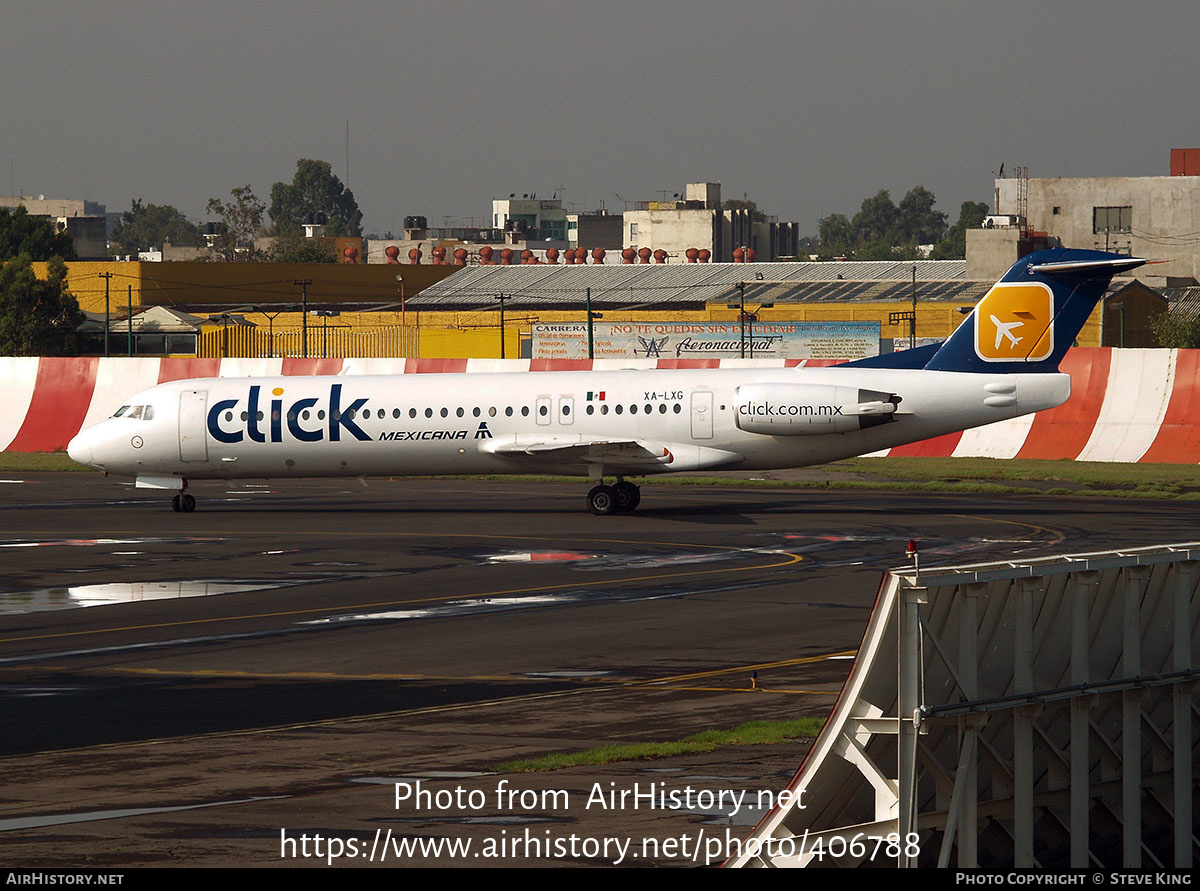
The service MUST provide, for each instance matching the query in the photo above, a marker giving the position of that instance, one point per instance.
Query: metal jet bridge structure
(1033, 713)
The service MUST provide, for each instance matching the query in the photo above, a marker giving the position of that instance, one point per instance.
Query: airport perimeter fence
(324, 342)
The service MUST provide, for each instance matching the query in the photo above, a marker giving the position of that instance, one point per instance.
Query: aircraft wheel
(175, 504)
(602, 500)
(628, 496)
(187, 503)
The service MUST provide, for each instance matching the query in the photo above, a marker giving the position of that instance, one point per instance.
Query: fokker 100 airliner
(616, 423)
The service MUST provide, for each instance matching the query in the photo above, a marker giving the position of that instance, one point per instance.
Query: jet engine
(782, 409)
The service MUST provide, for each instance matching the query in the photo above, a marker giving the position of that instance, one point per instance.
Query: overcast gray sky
(805, 107)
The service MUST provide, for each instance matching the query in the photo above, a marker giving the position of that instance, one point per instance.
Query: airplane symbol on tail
(1004, 329)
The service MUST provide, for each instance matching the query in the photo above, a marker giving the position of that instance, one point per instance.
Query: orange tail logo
(1015, 323)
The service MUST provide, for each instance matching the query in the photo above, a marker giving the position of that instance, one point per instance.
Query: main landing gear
(618, 499)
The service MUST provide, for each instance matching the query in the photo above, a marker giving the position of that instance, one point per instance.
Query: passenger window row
(476, 412)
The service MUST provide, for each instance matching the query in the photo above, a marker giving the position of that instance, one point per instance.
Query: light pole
(502, 298)
(106, 276)
(303, 283)
(223, 318)
(752, 318)
(591, 316)
(912, 325)
(742, 314)
(270, 326)
(325, 315)
(400, 281)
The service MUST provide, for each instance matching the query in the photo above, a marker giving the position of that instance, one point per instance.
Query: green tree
(293, 247)
(147, 226)
(836, 235)
(1175, 331)
(954, 245)
(877, 220)
(37, 317)
(35, 236)
(919, 223)
(241, 223)
(883, 249)
(314, 189)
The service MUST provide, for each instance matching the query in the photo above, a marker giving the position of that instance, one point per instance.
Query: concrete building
(1147, 216)
(598, 229)
(695, 222)
(698, 222)
(85, 221)
(530, 218)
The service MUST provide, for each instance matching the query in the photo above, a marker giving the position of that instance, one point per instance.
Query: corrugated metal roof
(861, 292)
(1185, 301)
(652, 284)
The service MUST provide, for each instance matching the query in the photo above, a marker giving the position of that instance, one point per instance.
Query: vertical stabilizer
(1031, 317)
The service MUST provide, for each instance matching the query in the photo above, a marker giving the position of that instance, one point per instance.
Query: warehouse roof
(695, 283)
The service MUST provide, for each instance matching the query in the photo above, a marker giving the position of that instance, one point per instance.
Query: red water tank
(506, 256)
(628, 255)
(414, 256)
(705, 255)
(644, 255)
(393, 254)
(552, 256)
(692, 254)
(660, 256)
(598, 255)
(1185, 162)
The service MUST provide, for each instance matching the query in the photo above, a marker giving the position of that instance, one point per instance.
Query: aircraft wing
(623, 456)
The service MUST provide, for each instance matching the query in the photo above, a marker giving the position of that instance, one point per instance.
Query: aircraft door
(193, 441)
(566, 410)
(702, 414)
(541, 410)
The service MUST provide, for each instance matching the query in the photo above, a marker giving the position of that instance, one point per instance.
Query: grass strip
(30, 462)
(753, 733)
(985, 476)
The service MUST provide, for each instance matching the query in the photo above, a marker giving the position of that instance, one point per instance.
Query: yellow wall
(450, 343)
(232, 284)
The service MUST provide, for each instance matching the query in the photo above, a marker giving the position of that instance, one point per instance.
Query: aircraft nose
(80, 448)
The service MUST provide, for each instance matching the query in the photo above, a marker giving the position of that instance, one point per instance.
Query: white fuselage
(350, 425)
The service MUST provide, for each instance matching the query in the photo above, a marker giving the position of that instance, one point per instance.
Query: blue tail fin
(1029, 318)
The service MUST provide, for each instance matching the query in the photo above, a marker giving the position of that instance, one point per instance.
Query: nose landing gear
(183, 502)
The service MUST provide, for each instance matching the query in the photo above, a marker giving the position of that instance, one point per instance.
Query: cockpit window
(135, 412)
(120, 411)
(148, 414)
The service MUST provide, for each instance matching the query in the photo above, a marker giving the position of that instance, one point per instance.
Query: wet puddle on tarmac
(78, 596)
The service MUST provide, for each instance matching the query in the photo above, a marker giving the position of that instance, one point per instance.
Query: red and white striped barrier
(1125, 405)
